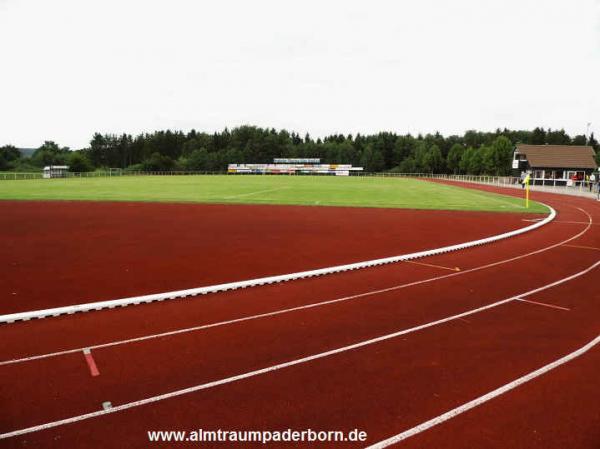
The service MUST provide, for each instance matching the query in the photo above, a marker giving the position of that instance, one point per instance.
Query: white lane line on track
(433, 265)
(485, 398)
(592, 248)
(294, 309)
(573, 222)
(537, 303)
(280, 366)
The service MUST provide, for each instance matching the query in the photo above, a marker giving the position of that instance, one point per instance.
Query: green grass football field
(299, 190)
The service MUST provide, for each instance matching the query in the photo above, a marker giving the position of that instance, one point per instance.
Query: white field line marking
(293, 309)
(486, 397)
(537, 303)
(280, 366)
(254, 193)
(10, 318)
(500, 200)
(487, 195)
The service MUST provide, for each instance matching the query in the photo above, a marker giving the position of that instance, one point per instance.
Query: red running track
(384, 388)
(62, 253)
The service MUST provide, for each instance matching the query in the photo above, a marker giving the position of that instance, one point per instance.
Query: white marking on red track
(593, 248)
(485, 398)
(432, 265)
(294, 309)
(99, 305)
(537, 303)
(572, 222)
(295, 362)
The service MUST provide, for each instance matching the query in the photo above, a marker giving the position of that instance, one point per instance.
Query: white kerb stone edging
(134, 300)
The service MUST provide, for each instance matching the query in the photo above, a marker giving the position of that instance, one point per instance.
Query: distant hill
(26, 152)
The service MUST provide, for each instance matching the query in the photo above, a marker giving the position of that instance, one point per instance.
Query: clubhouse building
(554, 164)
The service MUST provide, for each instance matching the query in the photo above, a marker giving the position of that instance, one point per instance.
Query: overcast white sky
(71, 68)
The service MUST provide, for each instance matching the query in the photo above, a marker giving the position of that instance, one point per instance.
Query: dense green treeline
(473, 153)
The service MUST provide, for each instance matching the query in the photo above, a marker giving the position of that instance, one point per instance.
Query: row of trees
(474, 152)
(47, 154)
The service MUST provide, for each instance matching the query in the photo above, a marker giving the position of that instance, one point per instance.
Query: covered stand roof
(559, 156)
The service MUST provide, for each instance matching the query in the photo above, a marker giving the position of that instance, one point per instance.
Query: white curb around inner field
(134, 300)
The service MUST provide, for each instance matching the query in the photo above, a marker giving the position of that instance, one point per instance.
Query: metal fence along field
(579, 188)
